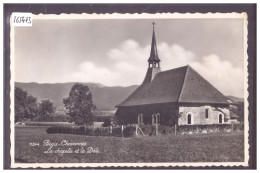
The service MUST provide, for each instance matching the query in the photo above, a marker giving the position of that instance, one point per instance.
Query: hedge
(129, 131)
(209, 128)
(32, 123)
(148, 130)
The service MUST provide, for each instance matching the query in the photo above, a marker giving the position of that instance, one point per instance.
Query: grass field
(217, 147)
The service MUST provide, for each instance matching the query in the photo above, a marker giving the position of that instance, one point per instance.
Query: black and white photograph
(129, 90)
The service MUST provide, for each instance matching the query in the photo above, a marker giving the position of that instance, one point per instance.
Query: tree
(25, 105)
(238, 109)
(46, 108)
(80, 105)
(31, 107)
(107, 122)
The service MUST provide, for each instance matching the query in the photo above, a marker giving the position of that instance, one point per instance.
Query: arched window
(189, 118)
(207, 113)
(153, 119)
(220, 119)
(140, 118)
(158, 118)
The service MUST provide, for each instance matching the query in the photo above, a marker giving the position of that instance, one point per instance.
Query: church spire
(154, 58)
(153, 61)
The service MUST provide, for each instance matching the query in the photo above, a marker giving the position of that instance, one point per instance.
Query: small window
(154, 119)
(220, 119)
(189, 119)
(158, 118)
(207, 113)
(140, 118)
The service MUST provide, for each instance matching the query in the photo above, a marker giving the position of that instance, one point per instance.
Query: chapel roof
(179, 85)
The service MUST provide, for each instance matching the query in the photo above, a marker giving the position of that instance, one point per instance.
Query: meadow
(212, 147)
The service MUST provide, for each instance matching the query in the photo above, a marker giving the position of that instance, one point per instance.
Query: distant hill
(236, 99)
(105, 98)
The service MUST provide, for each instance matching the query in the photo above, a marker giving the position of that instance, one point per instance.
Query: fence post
(156, 129)
(122, 130)
(111, 130)
(175, 129)
(135, 130)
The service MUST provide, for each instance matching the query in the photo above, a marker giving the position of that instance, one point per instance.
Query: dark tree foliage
(25, 105)
(107, 122)
(46, 108)
(80, 105)
(239, 110)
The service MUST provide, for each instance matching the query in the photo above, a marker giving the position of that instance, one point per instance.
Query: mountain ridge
(104, 97)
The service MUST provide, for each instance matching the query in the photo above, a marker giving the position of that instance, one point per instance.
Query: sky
(114, 52)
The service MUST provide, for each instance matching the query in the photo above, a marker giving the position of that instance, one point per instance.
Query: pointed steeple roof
(154, 54)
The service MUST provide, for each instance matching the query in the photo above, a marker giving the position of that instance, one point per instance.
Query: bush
(79, 130)
(166, 130)
(162, 129)
(48, 124)
(97, 132)
(117, 131)
(148, 129)
(51, 130)
(238, 127)
(209, 128)
(107, 122)
(129, 131)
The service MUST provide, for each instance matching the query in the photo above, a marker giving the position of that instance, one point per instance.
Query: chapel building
(178, 96)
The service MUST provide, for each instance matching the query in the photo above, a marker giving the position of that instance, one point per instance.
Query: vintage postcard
(155, 90)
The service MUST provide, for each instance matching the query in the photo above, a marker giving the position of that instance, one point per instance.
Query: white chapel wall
(198, 114)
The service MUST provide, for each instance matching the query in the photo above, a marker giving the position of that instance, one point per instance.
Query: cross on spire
(154, 58)
(153, 24)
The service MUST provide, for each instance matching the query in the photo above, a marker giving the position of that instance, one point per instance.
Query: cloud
(222, 74)
(173, 56)
(130, 65)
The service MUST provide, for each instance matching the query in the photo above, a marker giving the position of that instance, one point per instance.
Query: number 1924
(22, 19)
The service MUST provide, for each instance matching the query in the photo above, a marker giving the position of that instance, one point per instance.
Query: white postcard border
(135, 16)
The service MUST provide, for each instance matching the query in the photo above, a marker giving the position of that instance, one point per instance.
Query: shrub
(48, 124)
(117, 131)
(186, 129)
(129, 131)
(51, 130)
(148, 129)
(162, 129)
(208, 128)
(238, 127)
(97, 132)
(81, 130)
(166, 130)
(107, 122)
